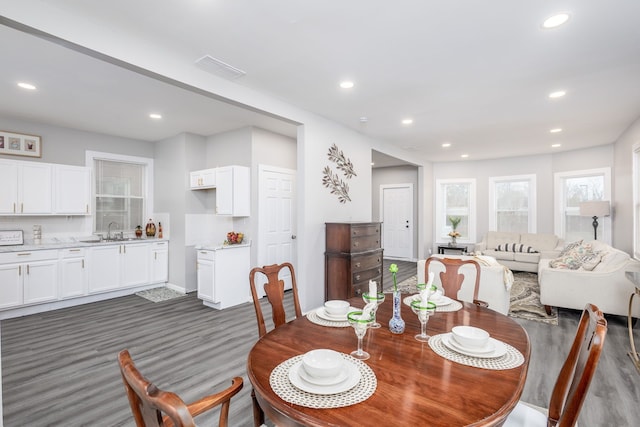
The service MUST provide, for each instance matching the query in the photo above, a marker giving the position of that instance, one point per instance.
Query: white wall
(623, 188)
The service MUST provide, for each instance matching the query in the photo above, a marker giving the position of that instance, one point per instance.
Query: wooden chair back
(452, 279)
(578, 369)
(274, 289)
(154, 407)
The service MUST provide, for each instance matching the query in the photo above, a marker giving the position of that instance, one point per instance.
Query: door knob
(293, 237)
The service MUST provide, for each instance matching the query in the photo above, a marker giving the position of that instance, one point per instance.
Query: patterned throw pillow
(590, 261)
(570, 247)
(579, 256)
(568, 262)
(515, 247)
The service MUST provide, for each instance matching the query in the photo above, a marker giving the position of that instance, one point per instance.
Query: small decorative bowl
(470, 336)
(322, 363)
(336, 307)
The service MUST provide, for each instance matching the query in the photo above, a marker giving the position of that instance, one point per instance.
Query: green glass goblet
(360, 325)
(377, 299)
(423, 312)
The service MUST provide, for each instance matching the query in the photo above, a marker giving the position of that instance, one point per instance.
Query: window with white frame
(636, 201)
(122, 190)
(455, 198)
(512, 203)
(573, 188)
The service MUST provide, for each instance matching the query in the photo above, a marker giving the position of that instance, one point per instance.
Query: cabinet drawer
(365, 262)
(206, 255)
(366, 275)
(365, 243)
(72, 252)
(26, 256)
(365, 230)
(358, 288)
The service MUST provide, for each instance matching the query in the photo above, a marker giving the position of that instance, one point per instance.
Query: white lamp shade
(597, 208)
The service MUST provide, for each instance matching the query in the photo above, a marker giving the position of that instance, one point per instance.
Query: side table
(462, 249)
(634, 277)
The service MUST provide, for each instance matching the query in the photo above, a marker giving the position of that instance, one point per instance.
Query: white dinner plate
(342, 375)
(353, 378)
(453, 343)
(441, 302)
(500, 349)
(322, 313)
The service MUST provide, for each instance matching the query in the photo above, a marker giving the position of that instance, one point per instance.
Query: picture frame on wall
(20, 144)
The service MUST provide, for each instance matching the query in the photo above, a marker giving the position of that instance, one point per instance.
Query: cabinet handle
(378, 259)
(358, 292)
(356, 244)
(21, 207)
(155, 255)
(82, 263)
(357, 277)
(124, 249)
(74, 250)
(19, 270)
(27, 269)
(24, 254)
(14, 207)
(377, 242)
(357, 264)
(87, 209)
(120, 249)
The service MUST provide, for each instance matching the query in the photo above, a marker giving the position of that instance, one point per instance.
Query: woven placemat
(454, 306)
(314, 318)
(281, 385)
(512, 359)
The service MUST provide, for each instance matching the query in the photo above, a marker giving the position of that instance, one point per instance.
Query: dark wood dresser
(353, 257)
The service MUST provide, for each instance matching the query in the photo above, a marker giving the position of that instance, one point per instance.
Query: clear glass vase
(396, 324)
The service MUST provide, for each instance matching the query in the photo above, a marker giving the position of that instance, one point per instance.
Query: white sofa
(495, 280)
(544, 245)
(605, 286)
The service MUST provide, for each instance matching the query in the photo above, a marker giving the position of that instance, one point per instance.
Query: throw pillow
(515, 247)
(568, 262)
(590, 261)
(570, 247)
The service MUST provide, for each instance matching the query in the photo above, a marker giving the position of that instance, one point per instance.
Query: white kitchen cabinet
(222, 274)
(159, 257)
(26, 188)
(118, 266)
(72, 190)
(203, 179)
(73, 273)
(233, 191)
(28, 277)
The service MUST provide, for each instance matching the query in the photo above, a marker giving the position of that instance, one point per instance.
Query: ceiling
(473, 74)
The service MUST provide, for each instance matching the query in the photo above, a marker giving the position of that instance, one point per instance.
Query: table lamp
(595, 209)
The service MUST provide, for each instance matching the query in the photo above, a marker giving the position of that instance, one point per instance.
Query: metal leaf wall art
(332, 180)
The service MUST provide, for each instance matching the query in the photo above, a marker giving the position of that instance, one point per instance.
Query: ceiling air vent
(219, 68)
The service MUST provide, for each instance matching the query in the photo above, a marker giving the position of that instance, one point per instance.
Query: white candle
(373, 289)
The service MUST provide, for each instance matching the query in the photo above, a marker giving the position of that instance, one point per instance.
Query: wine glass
(377, 299)
(360, 324)
(423, 311)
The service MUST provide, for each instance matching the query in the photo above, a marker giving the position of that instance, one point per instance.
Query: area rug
(159, 294)
(525, 297)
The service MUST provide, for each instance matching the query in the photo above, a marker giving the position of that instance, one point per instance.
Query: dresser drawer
(365, 230)
(365, 262)
(366, 275)
(365, 243)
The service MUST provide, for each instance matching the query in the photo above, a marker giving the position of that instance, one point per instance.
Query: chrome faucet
(109, 229)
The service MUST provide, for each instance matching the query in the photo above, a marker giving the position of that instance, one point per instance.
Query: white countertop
(71, 243)
(219, 246)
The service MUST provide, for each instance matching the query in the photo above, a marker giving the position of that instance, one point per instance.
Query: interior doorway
(396, 214)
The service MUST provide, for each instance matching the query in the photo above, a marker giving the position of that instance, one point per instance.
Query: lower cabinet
(73, 273)
(117, 266)
(28, 277)
(159, 262)
(223, 276)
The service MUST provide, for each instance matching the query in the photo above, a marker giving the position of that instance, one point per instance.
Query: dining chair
(274, 290)
(452, 279)
(573, 380)
(154, 407)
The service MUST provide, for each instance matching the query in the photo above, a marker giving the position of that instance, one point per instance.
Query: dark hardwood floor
(59, 368)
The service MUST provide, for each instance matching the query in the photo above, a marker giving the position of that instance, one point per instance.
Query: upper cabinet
(26, 188)
(72, 190)
(35, 188)
(233, 188)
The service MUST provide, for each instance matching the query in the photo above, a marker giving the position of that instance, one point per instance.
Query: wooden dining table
(415, 385)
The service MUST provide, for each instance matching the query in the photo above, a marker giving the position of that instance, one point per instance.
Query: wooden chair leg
(258, 414)
(547, 308)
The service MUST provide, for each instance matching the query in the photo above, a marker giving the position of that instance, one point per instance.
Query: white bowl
(322, 363)
(336, 307)
(470, 336)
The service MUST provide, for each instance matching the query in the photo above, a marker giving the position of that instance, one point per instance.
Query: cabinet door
(10, 285)
(104, 268)
(35, 188)
(203, 179)
(224, 191)
(204, 269)
(9, 188)
(135, 264)
(159, 263)
(72, 190)
(40, 281)
(73, 277)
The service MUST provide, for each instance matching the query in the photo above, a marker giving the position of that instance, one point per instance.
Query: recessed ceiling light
(556, 145)
(464, 156)
(155, 116)
(26, 86)
(557, 94)
(346, 85)
(555, 20)
(446, 145)
(407, 121)
(556, 130)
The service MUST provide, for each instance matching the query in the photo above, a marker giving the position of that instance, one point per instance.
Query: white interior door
(277, 215)
(396, 214)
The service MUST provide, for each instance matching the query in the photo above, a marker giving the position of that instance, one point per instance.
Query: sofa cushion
(494, 238)
(526, 257)
(515, 247)
(540, 241)
(500, 255)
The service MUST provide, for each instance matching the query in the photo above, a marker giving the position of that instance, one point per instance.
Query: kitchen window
(455, 198)
(121, 191)
(512, 203)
